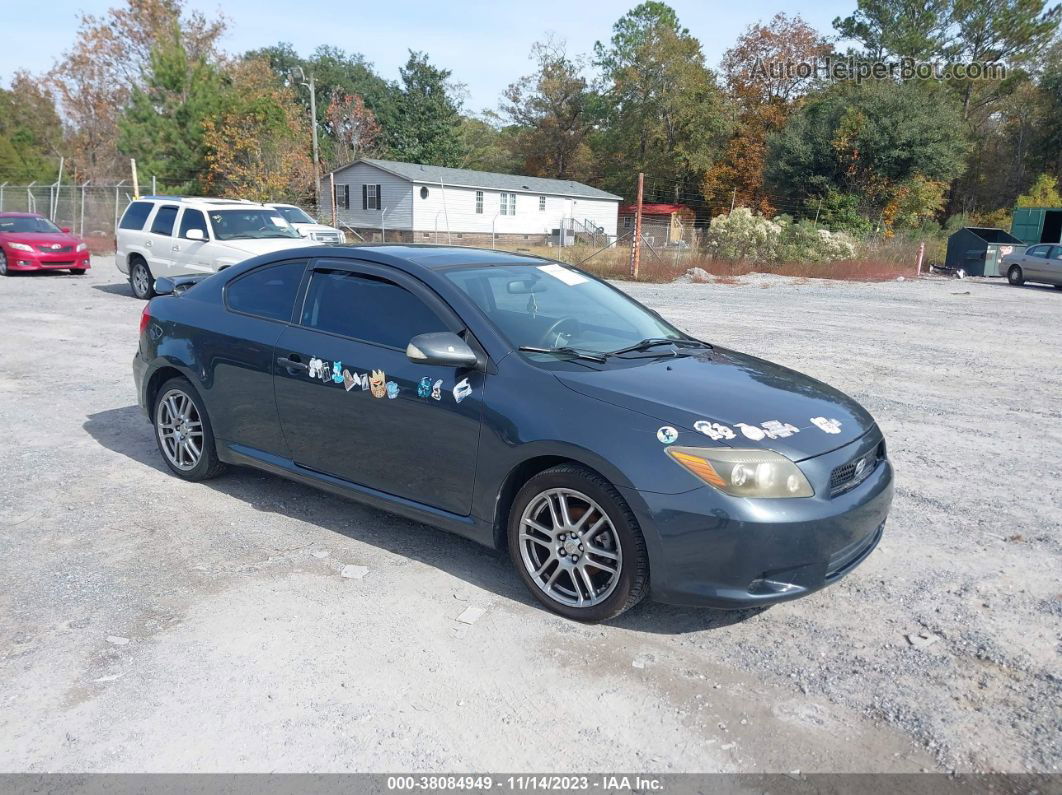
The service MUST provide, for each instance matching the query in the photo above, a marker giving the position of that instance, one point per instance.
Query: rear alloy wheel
(183, 432)
(140, 280)
(3, 264)
(577, 545)
(1015, 276)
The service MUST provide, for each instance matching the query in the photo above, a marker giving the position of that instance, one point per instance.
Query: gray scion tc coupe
(524, 404)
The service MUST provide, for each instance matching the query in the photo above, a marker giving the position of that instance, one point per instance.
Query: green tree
(163, 125)
(869, 141)
(487, 145)
(1043, 193)
(427, 115)
(30, 131)
(662, 111)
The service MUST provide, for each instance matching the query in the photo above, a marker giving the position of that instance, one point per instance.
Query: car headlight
(20, 247)
(744, 473)
(82, 246)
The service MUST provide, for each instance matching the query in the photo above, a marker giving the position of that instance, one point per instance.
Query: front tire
(577, 545)
(3, 265)
(77, 271)
(183, 432)
(1015, 276)
(141, 281)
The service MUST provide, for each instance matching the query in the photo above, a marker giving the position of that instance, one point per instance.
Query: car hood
(40, 238)
(305, 229)
(265, 245)
(727, 387)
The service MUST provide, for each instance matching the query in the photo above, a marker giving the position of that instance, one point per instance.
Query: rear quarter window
(267, 292)
(136, 215)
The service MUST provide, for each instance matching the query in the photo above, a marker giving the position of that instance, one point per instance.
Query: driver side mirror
(195, 234)
(65, 230)
(443, 348)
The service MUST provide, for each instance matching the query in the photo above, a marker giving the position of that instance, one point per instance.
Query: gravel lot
(153, 625)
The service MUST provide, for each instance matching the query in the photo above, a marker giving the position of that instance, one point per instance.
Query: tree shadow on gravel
(118, 288)
(127, 431)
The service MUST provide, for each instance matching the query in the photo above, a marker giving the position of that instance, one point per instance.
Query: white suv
(306, 226)
(177, 236)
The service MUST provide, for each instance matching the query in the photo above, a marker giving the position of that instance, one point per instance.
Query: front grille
(48, 249)
(848, 476)
(843, 560)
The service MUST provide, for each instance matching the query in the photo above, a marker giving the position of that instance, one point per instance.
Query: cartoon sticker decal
(752, 432)
(714, 430)
(436, 390)
(378, 383)
(337, 372)
(827, 425)
(350, 381)
(392, 390)
(424, 387)
(667, 434)
(779, 430)
(317, 368)
(462, 390)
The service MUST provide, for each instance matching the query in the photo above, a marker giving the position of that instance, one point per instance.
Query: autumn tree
(551, 110)
(95, 79)
(764, 95)
(352, 128)
(255, 147)
(487, 144)
(662, 110)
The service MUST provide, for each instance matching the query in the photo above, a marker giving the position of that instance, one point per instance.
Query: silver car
(1040, 263)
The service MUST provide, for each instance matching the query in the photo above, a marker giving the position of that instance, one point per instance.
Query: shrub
(742, 235)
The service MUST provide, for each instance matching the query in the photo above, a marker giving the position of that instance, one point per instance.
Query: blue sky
(485, 44)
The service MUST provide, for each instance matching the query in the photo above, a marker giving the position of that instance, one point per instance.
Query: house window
(507, 203)
(541, 204)
(370, 197)
(341, 196)
(479, 202)
(627, 222)
(423, 193)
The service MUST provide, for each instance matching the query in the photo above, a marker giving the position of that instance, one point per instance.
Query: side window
(366, 308)
(266, 292)
(479, 202)
(1056, 252)
(164, 218)
(136, 214)
(541, 204)
(193, 219)
(1037, 251)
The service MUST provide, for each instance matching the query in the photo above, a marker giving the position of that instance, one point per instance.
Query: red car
(30, 242)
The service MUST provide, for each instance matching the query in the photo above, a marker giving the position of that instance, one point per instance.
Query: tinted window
(1037, 251)
(193, 219)
(266, 292)
(27, 223)
(366, 308)
(135, 215)
(164, 218)
(1056, 252)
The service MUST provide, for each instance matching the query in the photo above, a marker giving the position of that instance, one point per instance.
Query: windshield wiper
(565, 351)
(652, 342)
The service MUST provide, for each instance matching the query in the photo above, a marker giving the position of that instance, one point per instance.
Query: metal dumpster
(980, 251)
(1037, 224)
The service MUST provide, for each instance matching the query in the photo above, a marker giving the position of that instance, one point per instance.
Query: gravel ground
(155, 625)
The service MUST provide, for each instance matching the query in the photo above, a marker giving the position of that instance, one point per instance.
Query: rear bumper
(710, 550)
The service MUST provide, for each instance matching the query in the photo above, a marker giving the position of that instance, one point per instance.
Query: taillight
(145, 318)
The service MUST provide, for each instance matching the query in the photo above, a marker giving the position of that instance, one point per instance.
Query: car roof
(206, 200)
(14, 214)
(429, 256)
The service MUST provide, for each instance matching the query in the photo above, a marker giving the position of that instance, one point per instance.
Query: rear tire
(1015, 276)
(584, 559)
(183, 432)
(141, 280)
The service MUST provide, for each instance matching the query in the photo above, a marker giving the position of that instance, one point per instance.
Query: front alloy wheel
(1015, 276)
(577, 545)
(183, 432)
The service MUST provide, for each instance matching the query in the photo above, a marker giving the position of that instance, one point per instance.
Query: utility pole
(312, 87)
(332, 189)
(136, 183)
(733, 200)
(636, 244)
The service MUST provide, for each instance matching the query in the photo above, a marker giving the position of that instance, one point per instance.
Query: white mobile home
(407, 202)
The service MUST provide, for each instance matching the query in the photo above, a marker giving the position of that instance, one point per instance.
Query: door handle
(175, 248)
(148, 243)
(292, 364)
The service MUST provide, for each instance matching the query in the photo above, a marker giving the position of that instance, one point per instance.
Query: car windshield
(27, 223)
(294, 215)
(554, 306)
(250, 224)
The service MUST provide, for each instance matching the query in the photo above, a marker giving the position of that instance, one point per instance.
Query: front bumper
(710, 550)
(42, 261)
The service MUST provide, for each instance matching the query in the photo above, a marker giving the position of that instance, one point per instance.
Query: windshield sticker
(571, 278)
(392, 390)
(667, 434)
(377, 383)
(317, 369)
(751, 431)
(337, 372)
(277, 220)
(828, 426)
(714, 430)
(779, 430)
(436, 390)
(462, 390)
(424, 387)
